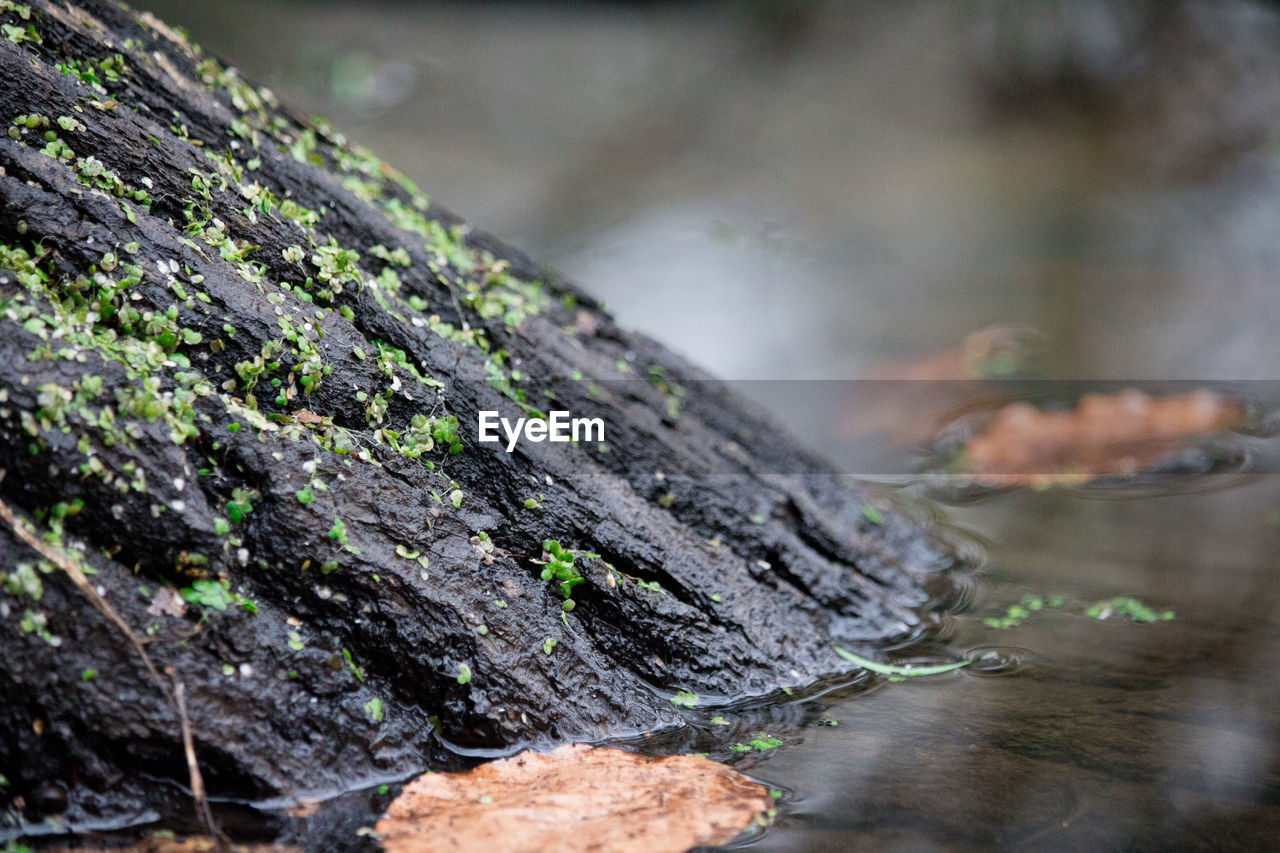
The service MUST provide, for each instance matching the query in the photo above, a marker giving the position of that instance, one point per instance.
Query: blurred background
(809, 189)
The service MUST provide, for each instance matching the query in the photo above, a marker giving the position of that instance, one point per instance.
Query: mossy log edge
(235, 353)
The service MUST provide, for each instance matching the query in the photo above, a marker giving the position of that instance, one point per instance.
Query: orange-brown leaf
(574, 798)
(1104, 435)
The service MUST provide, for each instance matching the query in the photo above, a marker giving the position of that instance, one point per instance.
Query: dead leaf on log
(303, 416)
(574, 798)
(1103, 436)
(167, 600)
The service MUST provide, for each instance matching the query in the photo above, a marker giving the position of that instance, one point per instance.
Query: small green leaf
(905, 670)
(685, 699)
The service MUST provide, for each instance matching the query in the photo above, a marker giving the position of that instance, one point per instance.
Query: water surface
(1115, 735)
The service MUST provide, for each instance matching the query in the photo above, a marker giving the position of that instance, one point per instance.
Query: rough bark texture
(187, 398)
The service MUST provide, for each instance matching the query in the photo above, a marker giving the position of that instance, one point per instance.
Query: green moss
(240, 505)
(351, 665)
(760, 742)
(18, 34)
(216, 595)
(685, 699)
(673, 393)
(97, 74)
(558, 565)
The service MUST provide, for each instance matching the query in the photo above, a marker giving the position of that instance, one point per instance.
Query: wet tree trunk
(237, 356)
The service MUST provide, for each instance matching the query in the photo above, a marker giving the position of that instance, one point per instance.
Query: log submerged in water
(237, 356)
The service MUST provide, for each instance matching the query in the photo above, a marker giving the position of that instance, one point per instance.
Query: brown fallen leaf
(167, 600)
(303, 416)
(574, 798)
(1104, 435)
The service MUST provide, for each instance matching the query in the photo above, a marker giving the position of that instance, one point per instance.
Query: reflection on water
(821, 191)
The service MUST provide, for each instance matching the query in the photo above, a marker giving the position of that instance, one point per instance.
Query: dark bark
(145, 481)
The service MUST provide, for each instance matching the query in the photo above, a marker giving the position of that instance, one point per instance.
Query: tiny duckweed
(217, 595)
(1016, 613)
(557, 563)
(1135, 610)
(240, 504)
(684, 699)
(760, 742)
(351, 664)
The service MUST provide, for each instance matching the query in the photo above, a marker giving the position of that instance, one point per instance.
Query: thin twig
(175, 698)
(62, 561)
(203, 814)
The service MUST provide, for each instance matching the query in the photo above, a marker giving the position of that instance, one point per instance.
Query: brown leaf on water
(574, 798)
(1103, 436)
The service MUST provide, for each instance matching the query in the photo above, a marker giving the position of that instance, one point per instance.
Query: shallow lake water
(1113, 734)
